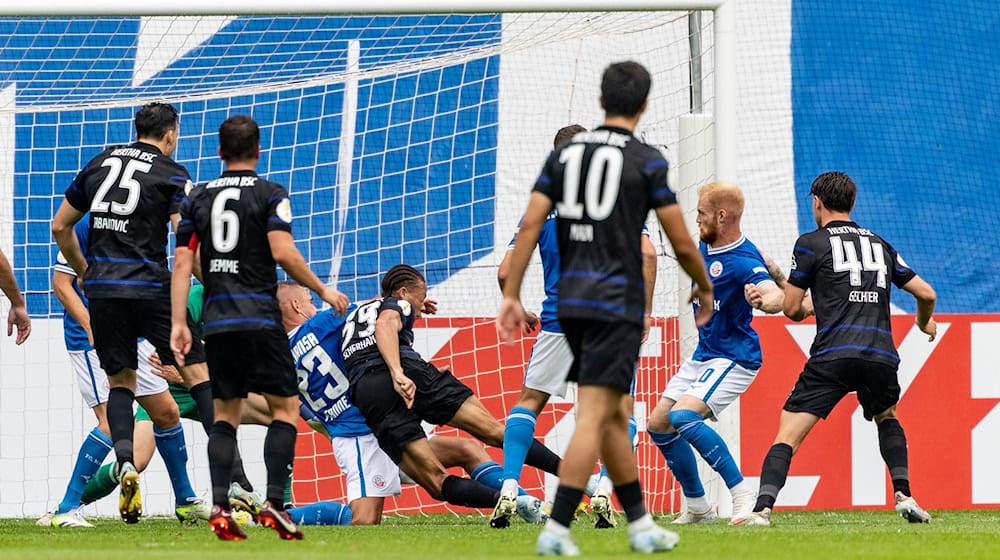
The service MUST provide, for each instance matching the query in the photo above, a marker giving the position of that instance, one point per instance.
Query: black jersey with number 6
(603, 184)
(358, 345)
(230, 218)
(131, 192)
(849, 270)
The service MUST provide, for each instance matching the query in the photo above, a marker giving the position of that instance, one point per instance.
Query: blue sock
(691, 426)
(93, 450)
(322, 513)
(681, 461)
(518, 436)
(490, 474)
(173, 450)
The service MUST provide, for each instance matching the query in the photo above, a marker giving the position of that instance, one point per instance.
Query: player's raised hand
(168, 373)
(706, 305)
(430, 307)
(511, 318)
(180, 342)
(404, 387)
(753, 296)
(930, 329)
(337, 300)
(18, 318)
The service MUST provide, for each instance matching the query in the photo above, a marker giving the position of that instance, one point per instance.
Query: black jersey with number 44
(603, 184)
(131, 192)
(230, 218)
(358, 346)
(849, 270)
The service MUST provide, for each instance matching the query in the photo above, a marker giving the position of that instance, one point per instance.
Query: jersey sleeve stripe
(803, 250)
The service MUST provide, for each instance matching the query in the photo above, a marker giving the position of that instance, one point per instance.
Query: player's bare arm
(18, 317)
(387, 328)
(180, 286)
(285, 253)
(62, 285)
(531, 319)
(794, 303)
(511, 316)
(62, 230)
(690, 260)
(926, 300)
(649, 281)
(766, 296)
(775, 271)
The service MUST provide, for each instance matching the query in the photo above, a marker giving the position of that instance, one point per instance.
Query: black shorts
(250, 362)
(117, 325)
(821, 385)
(438, 397)
(604, 352)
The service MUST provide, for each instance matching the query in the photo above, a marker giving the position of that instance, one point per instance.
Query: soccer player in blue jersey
(549, 365)
(315, 340)
(18, 315)
(725, 362)
(151, 391)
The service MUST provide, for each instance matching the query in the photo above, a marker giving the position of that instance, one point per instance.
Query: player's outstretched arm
(180, 285)
(926, 300)
(511, 316)
(18, 317)
(62, 285)
(387, 328)
(794, 305)
(689, 258)
(62, 230)
(766, 296)
(285, 253)
(649, 280)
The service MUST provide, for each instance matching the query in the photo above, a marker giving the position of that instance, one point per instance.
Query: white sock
(509, 487)
(641, 524)
(698, 505)
(557, 528)
(605, 485)
(741, 486)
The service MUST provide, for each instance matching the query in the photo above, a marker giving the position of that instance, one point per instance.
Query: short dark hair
(399, 276)
(624, 87)
(565, 133)
(836, 190)
(239, 138)
(154, 120)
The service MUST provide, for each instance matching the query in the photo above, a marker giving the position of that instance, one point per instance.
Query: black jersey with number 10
(849, 270)
(603, 184)
(230, 218)
(131, 192)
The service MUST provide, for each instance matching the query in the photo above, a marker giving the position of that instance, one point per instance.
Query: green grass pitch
(862, 535)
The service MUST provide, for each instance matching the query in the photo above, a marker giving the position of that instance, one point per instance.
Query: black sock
(892, 444)
(121, 422)
(239, 474)
(279, 453)
(773, 475)
(543, 458)
(221, 445)
(466, 492)
(202, 395)
(567, 499)
(630, 497)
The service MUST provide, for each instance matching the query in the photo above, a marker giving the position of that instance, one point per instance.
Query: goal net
(401, 138)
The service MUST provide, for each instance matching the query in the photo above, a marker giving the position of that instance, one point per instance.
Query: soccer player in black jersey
(242, 224)
(603, 183)
(131, 192)
(848, 270)
(394, 388)
(18, 315)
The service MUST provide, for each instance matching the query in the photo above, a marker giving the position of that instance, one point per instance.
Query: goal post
(401, 137)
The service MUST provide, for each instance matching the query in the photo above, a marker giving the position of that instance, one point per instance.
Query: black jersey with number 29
(230, 218)
(603, 184)
(849, 270)
(358, 345)
(131, 192)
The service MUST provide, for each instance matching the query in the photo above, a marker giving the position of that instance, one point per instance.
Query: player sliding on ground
(725, 362)
(314, 337)
(242, 224)
(848, 270)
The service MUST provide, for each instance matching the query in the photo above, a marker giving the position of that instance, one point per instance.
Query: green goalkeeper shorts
(185, 404)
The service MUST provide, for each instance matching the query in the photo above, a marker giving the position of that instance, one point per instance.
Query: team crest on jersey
(378, 481)
(794, 264)
(405, 307)
(284, 211)
(715, 269)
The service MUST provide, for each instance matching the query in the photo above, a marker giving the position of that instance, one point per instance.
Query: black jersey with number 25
(131, 192)
(230, 218)
(849, 270)
(603, 184)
